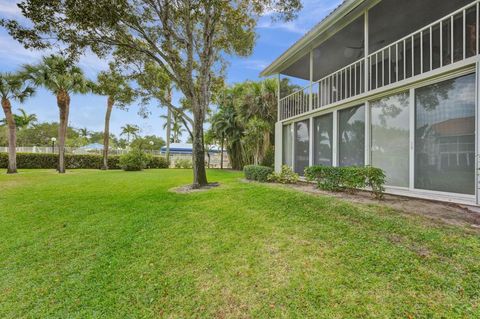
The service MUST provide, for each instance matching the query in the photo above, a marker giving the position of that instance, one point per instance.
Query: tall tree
(115, 86)
(129, 130)
(155, 84)
(187, 39)
(12, 87)
(61, 77)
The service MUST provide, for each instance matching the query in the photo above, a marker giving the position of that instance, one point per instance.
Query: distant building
(186, 148)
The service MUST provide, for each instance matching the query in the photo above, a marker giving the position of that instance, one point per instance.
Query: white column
(477, 138)
(310, 143)
(335, 139)
(412, 140)
(310, 98)
(365, 43)
(278, 146)
(278, 96)
(292, 132)
(368, 139)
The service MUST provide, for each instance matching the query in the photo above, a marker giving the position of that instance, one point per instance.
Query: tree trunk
(169, 133)
(106, 132)
(63, 102)
(198, 148)
(12, 137)
(221, 153)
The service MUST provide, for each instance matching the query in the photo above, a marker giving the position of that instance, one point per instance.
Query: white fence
(213, 161)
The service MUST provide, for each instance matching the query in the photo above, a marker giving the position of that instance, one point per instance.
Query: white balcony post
(411, 184)
(278, 97)
(368, 137)
(336, 141)
(310, 141)
(477, 137)
(365, 44)
(310, 96)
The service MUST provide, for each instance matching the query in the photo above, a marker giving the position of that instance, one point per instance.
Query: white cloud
(9, 9)
(14, 53)
(254, 64)
(312, 13)
(288, 26)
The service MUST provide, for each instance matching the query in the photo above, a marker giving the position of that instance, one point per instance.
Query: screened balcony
(421, 37)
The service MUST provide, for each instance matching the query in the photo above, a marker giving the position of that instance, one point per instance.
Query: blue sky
(88, 110)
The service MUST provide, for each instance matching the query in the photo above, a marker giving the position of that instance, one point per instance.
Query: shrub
(135, 160)
(257, 172)
(269, 159)
(348, 179)
(183, 163)
(157, 162)
(286, 176)
(90, 161)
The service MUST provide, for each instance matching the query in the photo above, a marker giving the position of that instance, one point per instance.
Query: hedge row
(37, 160)
(349, 179)
(257, 172)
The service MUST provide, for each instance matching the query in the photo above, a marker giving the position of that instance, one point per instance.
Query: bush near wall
(36, 160)
(257, 172)
(348, 179)
(285, 176)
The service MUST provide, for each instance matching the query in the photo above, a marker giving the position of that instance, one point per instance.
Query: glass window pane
(351, 134)
(287, 145)
(301, 146)
(323, 139)
(390, 137)
(445, 136)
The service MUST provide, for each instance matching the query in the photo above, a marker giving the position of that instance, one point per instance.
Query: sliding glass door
(445, 136)
(287, 145)
(323, 140)
(390, 137)
(301, 148)
(351, 135)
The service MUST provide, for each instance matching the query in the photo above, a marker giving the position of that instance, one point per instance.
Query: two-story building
(389, 83)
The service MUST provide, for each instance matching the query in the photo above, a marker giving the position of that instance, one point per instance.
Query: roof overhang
(315, 36)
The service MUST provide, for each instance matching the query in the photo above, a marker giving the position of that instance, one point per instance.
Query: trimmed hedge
(90, 161)
(257, 172)
(183, 163)
(348, 179)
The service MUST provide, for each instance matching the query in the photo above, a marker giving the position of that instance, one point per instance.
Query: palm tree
(24, 119)
(176, 127)
(62, 78)
(115, 87)
(84, 132)
(12, 87)
(227, 126)
(129, 130)
(260, 102)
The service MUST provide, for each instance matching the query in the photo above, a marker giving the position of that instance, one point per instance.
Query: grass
(94, 244)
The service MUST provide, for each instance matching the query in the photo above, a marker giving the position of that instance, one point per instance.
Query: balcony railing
(295, 104)
(340, 85)
(446, 41)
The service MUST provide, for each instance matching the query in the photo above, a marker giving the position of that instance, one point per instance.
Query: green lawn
(119, 245)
